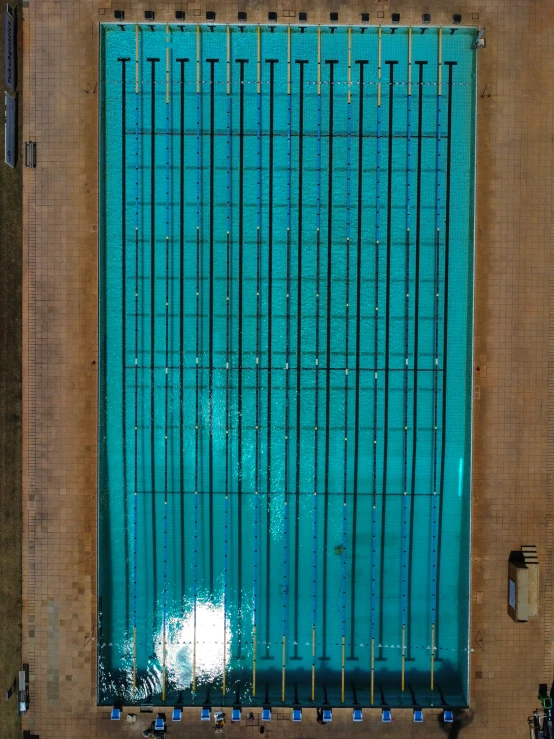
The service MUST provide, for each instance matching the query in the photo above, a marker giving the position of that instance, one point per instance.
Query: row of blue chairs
(386, 715)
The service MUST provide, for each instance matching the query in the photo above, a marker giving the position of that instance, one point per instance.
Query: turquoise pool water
(286, 270)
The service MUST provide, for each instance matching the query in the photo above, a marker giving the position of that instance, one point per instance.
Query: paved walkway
(514, 349)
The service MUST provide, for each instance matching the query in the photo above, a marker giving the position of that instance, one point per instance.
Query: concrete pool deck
(513, 438)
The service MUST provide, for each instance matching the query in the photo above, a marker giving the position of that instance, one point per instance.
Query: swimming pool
(286, 292)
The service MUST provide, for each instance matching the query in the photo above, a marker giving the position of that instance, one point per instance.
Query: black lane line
(272, 63)
(387, 352)
(301, 63)
(445, 336)
(331, 63)
(212, 63)
(361, 62)
(182, 319)
(124, 61)
(152, 322)
(416, 348)
(241, 62)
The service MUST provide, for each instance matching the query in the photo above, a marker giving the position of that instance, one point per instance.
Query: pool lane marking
(153, 61)
(387, 347)
(375, 384)
(420, 65)
(258, 353)
(287, 380)
(316, 399)
(271, 63)
(301, 63)
(166, 429)
(182, 62)
(406, 359)
(241, 63)
(356, 459)
(346, 361)
(124, 61)
(212, 63)
(450, 66)
(135, 510)
(331, 63)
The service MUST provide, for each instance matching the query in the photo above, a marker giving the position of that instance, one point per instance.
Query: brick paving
(513, 436)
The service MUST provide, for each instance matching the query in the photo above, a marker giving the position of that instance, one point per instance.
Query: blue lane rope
(196, 457)
(375, 386)
(258, 383)
(435, 372)
(347, 337)
(227, 382)
(135, 500)
(406, 373)
(287, 391)
(167, 183)
(316, 403)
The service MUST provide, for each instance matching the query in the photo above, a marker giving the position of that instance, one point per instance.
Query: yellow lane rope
(440, 61)
(283, 650)
(259, 58)
(313, 663)
(134, 660)
(198, 59)
(432, 656)
(342, 672)
(228, 60)
(288, 60)
(319, 60)
(349, 61)
(379, 69)
(136, 59)
(410, 61)
(372, 671)
(403, 653)
(254, 659)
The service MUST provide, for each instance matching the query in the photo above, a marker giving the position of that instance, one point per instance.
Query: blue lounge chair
(327, 715)
(266, 714)
(159, 723)
(205, 715)
(386, 715)
(297, 714)
(235, 714)
(357, 714)
(418, 715)
(116, 714)
(177, 714)
(448, 716)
